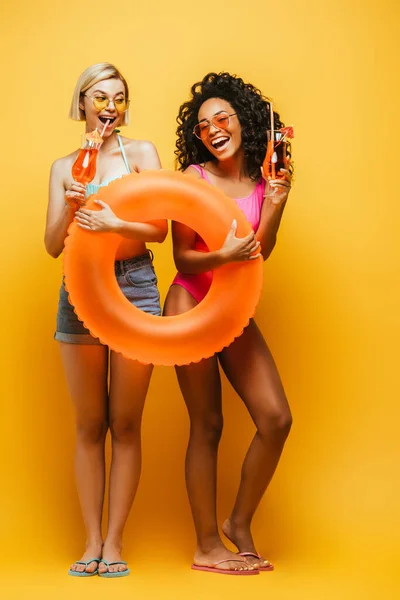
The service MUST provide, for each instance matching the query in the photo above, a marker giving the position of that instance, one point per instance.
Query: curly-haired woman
(222, 139)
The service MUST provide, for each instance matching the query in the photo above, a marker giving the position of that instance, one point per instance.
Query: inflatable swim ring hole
(166, 270)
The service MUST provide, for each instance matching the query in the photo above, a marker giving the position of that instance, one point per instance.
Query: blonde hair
(89, 77)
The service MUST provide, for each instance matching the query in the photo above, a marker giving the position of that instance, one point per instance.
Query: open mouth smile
(220, 143)
(105, 119)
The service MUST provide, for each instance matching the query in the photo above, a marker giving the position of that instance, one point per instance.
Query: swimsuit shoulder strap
(123, 153)
(201, 170)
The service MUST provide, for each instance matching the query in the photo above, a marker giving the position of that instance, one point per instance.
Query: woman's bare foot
(112, 553)
(241, 537)
(93, 550)
(208, 556)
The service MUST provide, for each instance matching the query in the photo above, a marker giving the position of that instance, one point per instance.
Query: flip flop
(213, 568)
(117, 573)
(85, 573)
(269, 567)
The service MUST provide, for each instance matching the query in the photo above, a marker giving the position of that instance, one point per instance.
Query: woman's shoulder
(63, 165)
(194, 170)
(141, 153)
(137, 146)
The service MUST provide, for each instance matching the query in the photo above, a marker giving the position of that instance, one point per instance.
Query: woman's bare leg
(129, 382)
(200, 385)
(251, 370)
(85, 368)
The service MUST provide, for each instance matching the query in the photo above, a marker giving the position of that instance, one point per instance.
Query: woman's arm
(153, 231)
(275, 199)
(193, 262)
(188, 260)
(271, 215)
(144, 157)
(61, 208)
(106, 220)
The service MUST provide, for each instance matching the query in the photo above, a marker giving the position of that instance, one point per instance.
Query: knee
(125, 431)
(208, 428)
(277, 422)
(285, 423)
(93, 431)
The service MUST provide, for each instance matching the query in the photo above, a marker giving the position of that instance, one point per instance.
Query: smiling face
(223, 138)
(114, 91)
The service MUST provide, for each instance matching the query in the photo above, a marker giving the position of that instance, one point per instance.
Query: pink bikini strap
(200, 170)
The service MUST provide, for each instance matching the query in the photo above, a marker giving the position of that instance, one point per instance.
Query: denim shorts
(138, 282)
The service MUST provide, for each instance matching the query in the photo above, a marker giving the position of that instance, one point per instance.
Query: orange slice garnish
(94, 137)
(288, 132)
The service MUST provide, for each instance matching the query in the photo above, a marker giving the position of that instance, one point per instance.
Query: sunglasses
(102, 102)
(219, 121)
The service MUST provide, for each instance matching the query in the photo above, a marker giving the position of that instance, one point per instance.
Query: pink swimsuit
(198, 285)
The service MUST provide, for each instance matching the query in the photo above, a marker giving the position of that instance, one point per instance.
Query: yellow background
(329, 308)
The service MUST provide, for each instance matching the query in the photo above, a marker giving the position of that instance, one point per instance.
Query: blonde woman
(108, 391)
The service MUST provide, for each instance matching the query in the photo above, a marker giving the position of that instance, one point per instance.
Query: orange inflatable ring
(99, 303)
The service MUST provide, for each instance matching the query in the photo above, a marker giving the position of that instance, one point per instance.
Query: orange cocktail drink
(84, 168)
(276, 157)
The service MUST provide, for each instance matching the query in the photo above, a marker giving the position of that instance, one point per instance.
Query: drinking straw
(273, 174)
(271, 109)
(104, 128)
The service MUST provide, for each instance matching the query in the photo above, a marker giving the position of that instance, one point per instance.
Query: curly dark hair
(253, 111)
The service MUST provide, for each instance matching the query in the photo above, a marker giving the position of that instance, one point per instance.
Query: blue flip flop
(117, 573)
(85, 573)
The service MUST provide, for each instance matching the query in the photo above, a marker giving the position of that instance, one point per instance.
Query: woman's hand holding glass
(277, 190)
(75, 195)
